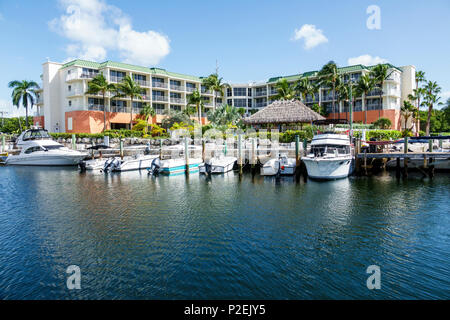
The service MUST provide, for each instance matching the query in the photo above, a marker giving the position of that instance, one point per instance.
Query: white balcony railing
(260, 93)
(177, 100)
(190, 89)
(142, 83)
(176, 88)
(159, 98)
(159, 84)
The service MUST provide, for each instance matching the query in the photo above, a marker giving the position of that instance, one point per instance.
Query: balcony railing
(260, 93)
(159, 98)
(190, 89)
(177, 100)
(159, 111)
(78, 92)
(95, 107)
(261, 105)
(119, 109)
(273, 92)
(176, 88)
(142, 83)
(159, 84)
(206, 91)
(116, 79)
(208, 103)
(88, 75)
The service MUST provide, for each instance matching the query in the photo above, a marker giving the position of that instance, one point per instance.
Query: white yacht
(137, 162)
(38, 149)
(330, 157)
(281, 165)
(218, 164)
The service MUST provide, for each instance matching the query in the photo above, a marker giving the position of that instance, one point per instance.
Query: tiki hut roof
(283, 112)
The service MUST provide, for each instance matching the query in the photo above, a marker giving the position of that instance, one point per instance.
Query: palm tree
(284, 91)
(408, 110)
(364, 85)
(97, 85)
(418, 92)
(380, 73)
(431, 98)
(147, 111)
(195, 99)
(344, 95)
(225, 115)
(304, 87)
(24, 92)
(328, 76)
(214, 83)
(129, 88)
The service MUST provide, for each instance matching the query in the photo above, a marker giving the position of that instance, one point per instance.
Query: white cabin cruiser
(281, 165)
(38, 149)
(330, 157)
(218, 164)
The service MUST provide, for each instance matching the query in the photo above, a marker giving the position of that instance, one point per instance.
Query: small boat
(174, 166)
(281, 165)
(330, 157)
(39, 149)
(137, 162)
(94, 164)
(218, 164)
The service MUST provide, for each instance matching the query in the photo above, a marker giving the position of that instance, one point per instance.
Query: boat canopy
(331, 139)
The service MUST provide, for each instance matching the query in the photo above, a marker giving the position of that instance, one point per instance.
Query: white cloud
(94, 27)
(311, 36)
(445, 95)
(366, 59)
(6, 105)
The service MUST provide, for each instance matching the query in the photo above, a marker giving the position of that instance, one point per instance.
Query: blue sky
(252, 40)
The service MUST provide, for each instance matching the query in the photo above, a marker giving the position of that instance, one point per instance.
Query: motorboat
(39, 149)
(330, 157)
(137, 162)
(175, 166)
(218, 164)
(279, 166)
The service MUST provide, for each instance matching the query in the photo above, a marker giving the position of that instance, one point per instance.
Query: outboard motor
(155, 167)
(107, 165)
(208, 167)
(82, 165)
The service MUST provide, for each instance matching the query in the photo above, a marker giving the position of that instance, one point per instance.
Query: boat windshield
(36, 134)
(335, 150)
(53, 147)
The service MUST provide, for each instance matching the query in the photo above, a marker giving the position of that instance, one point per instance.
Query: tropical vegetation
(24, 93)
(99, 85)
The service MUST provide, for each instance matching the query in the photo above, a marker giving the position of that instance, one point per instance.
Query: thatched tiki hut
(284, 112)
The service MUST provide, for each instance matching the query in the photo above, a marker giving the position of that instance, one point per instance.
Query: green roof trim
(126, 66)
(358, 67)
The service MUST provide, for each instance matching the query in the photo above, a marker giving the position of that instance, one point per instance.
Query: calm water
(136, 237)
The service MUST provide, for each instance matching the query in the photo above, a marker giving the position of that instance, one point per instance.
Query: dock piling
(240, 153)
(3, 143)
(186, 155)
(121, 148)
(74, 142)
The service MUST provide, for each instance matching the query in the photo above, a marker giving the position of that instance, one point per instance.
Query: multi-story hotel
(64, 106)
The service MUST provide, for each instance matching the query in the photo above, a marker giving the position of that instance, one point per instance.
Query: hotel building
(64, 106)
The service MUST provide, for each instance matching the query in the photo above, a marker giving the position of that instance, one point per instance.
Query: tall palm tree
(328, 76)
(304, 87)
(147, 111)
(195, 99)
(284, 91)
(97, 85)
(364, 85)
(344, 95)
(380, 73)
(408, 111)
(214, 83)
(420, 77)
(129, 88)
(24, 92)
(431, 98)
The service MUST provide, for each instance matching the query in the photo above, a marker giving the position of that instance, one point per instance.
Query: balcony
(203, 90)
(119, 109)
(142, 83)
(273, 92)
(176, 88)
(116, 79)
(159, 85)
(159, 98)
(95, 107)
(260, 93)
(177, 100)
(190, 89)
(78, 92)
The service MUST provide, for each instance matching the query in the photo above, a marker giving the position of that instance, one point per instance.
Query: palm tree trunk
(364, 101)
(381, 101)
(418, 114)
(430, 109)
(199, 112)
(104, 112)
(131, 114)
(334, 110)
(26, 116)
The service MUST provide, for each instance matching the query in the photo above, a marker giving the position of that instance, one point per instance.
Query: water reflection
(139, 236)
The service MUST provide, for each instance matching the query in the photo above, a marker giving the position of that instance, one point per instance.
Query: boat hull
(219, 166)
(178, 166)
(273, 166)
(328, 169)
(44, 160)
(135, 164)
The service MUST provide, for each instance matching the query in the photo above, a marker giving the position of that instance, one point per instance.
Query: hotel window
(229, 92)
(70, 103)
(88, 73)
(229, 102)
(159, 108)
(241, 92)
(249, 103)
(157, 93)
(116, 76)
(175, 108)
(190, 85)
(249, 92)
(69, 124)
(69, 88)
(240, 103)
(175, 95)
(175, 83)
